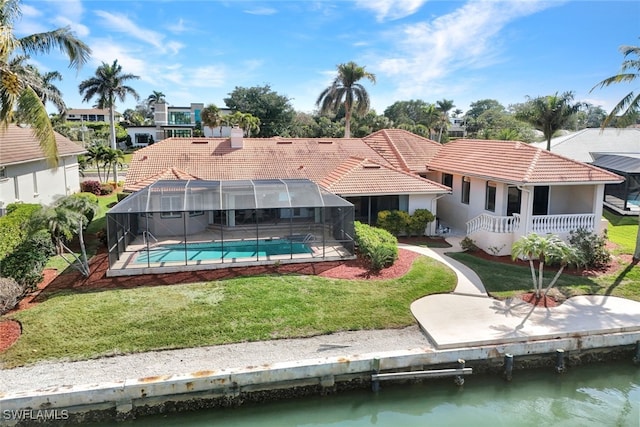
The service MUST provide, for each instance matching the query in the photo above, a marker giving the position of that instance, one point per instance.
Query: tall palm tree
(629, 106)
(18, 84)
(443, 107)
(548, 113)
(107, 85)
(346, 91)
(210, 116)
(47, 91)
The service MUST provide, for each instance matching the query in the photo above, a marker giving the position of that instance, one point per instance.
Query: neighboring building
(457, 129)
(91, 115)
(616, 150)
(25, 175)
(180, 122)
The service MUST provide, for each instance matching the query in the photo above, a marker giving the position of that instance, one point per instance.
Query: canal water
(591, 395)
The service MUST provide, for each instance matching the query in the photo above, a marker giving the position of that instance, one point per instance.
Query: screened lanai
(624, 198)
(193, 225)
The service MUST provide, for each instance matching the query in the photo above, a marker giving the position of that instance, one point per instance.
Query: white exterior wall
(35, 182)
(133, 131)
(572, 199)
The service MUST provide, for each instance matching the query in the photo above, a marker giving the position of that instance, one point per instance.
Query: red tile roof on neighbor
(363, 176)
(259, 158)
(19, 145)
(516, 162)
(166, 174)
(404, 150)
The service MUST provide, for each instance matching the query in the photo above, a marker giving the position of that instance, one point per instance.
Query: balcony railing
(493, 224)
(540, 224)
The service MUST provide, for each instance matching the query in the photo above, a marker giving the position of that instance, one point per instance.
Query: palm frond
(63, 39)
(33, 112)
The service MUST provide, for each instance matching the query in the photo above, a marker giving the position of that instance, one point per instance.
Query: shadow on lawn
(620, 277)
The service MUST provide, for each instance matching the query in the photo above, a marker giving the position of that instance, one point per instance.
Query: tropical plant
(247, 122)
(156, 97)
(345, 91)
(18, 83)
(274, 111)
(210, 116)
(544, 249)
(628, 109)
(443, 107)
(108, 84)
(548, 113)
(47, 91)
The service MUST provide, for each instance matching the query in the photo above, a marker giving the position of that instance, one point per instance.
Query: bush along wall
(377, 245)
(401, 223)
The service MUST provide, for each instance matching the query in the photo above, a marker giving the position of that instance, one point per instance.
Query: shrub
(88, 212)
(591, 248)
(121, 196)
(418, 222)
(92, 187)
(395, 222)
(13, 226)
(106, 189)
(10, 294)
(469, 245)
(26, 262)
(376, 244)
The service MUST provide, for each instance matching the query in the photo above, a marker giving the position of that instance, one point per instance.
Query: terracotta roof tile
(19, 145)
(514, 161)
(363, 176)
(167, 174)
(403, 149)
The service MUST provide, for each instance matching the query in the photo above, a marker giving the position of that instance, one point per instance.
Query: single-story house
(492, 191)
(25, 175)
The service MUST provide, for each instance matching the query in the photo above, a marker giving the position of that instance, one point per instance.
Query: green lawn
(508, 280)
(86, 325)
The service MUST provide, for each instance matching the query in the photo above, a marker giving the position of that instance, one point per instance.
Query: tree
(548, 113)
(544, 249)
(47, 91)
(18, 84)
(347, 92)
(155, 98)
(210, 116)
(274, 111)
(443, 108)
(628, 109)
(108, 85)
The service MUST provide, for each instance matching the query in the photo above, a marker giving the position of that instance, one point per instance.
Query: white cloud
(391, 9)
(79, 29)
(121, 23)
(426, 52)
(208, 76)
(29, 11)
(178, 28)
(265, 11)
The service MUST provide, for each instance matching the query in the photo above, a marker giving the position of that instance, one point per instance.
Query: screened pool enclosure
(174, 226)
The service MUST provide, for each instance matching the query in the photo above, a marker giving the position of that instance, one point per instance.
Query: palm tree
(629, 106)
(443, 107)
(544, 249)
(346, 91)
(210, 116)
(18, 85)
(155, 98)
(107, 85)
(548, 113)
(48, 92)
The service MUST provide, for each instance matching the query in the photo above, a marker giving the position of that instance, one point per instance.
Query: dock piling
(459, 379)
(560, 361)
(636, 358)
(508, 366)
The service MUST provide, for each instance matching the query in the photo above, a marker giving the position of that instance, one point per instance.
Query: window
(180, 118)
(466, 188)
(447, 179)
(490, 197)
(178, 133)
(171, 207)
(196, 201)
(3, 172)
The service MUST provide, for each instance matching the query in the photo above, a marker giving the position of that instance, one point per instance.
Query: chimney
(236, 137)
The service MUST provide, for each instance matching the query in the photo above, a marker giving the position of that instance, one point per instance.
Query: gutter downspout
(435, 199)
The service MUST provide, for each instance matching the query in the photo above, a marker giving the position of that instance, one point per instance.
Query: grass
(509, 280)
(77, 326)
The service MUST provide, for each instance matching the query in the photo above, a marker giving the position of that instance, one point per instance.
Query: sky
(465, 51)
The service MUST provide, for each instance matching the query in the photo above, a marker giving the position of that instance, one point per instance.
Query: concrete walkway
(469, 317)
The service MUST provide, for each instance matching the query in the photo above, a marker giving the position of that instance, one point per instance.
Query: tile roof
(363, 176)
(19, 145)
(166, 174)
(403, 149)
(259, 158)
(514, 162)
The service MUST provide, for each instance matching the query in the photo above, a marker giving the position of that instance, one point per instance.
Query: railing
(543, 224)
(493, 224)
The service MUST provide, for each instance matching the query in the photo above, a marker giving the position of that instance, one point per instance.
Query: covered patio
(183, 225)
(624, 198)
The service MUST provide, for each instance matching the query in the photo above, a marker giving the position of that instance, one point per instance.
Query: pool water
(215, 251)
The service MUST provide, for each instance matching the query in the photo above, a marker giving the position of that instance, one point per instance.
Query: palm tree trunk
(540, 277)
(553, 282)
(347, 123)
(113, 137)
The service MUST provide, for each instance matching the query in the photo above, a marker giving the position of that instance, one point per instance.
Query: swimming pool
(209, 251)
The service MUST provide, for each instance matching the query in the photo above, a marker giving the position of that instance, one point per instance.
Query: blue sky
(199, 51)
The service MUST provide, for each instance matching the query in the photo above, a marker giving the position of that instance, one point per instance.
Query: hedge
(376, 244)
(26, 263)
(13, 226)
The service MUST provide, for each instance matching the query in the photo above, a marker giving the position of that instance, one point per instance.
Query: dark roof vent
(284, 142)
(200, 141)
(325, 142)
